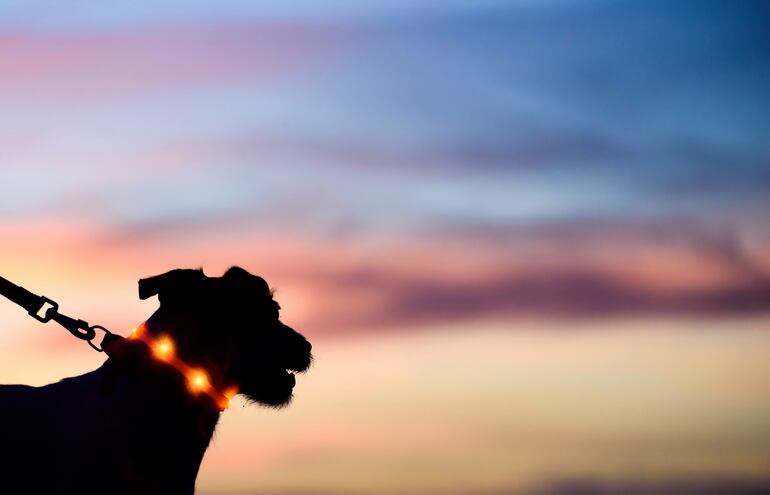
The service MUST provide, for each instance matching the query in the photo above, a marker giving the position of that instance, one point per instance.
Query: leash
(34, 304)
(161, 349)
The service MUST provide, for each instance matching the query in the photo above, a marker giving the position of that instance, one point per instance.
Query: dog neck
(163, 430)
(164, 434)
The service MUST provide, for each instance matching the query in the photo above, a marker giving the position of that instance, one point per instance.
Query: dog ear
(159, 284)
(246, 282)
(149, 287)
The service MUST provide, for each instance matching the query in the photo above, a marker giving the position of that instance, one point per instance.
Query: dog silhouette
(141, 423)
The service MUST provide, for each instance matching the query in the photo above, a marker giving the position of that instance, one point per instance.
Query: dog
(138, 424)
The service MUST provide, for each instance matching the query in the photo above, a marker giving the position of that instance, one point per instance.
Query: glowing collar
(162, 349)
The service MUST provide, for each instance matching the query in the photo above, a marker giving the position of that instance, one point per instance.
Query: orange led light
(231, 392)
(227, 397)
(197, 380)
(163, 348)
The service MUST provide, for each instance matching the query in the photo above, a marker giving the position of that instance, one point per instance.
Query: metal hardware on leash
(34, 303)
(46, 317)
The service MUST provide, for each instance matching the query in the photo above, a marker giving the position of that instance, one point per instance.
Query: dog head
(228, 326)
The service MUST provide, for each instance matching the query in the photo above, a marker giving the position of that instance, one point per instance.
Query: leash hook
(49, 312)
(34, 304)
(107, 337)
(78, 328)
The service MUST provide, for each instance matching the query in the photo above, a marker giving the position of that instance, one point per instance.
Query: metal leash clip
(34, 304)
(49, 312)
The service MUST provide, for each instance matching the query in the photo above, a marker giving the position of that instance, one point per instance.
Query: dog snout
(297, 349)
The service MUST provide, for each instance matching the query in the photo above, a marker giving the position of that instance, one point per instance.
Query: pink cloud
(66, 64)
(353, 286)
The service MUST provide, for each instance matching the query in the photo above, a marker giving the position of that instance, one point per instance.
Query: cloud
(681, 486)
(531, 152)
(377, 280)
(566, 294)
(97, 63)
(698, 168)
(604, 270)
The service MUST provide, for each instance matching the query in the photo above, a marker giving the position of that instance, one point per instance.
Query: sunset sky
(529, 240)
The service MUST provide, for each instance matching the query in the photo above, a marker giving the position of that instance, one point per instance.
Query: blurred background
(529, 240)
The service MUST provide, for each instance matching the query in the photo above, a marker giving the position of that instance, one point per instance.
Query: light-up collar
(162, 349)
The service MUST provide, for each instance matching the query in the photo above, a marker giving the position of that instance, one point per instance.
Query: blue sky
(583, 109)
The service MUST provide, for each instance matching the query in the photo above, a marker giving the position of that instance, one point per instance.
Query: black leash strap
(34, 304)
(27, 300)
